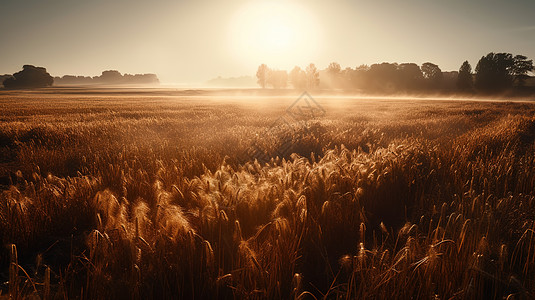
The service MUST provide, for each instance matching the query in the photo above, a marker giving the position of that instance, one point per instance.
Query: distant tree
(504, 66)
(363, 68)
(383, 77)
(278, 79)
(298, 78)
(111, 77)
(29, 77)
(313, 76)
(108, 77)
(411, 76)
(347, 71)
(432, 74)
(521, 67)
(494, 72)
(334, 68)
(262, 75)
(334, 74)
(283, 79)
(449, 80)
(4, 77)
(485, 73)
(348, 75)
(465, 81)
(359, 77)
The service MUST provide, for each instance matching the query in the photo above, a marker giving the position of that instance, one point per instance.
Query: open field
(128, 193)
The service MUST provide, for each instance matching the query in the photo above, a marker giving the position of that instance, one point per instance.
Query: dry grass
(126, 196)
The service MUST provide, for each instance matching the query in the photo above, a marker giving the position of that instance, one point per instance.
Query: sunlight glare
(277, 33)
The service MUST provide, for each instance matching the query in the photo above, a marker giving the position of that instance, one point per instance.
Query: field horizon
(172, 91)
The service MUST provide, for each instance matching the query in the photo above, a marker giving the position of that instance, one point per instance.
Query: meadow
(155, 193)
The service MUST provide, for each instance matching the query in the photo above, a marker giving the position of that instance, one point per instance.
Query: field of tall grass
(153, 195)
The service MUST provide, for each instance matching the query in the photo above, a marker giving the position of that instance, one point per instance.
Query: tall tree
(382, 77)
(504, 63)
(262, 75)
(278, 79)
(433, 74)
(485, 69)
(464, 80)
(333, 73)
(334, 68)
(359, 77)
(298, 78)
(347, 75)
(313, 76)
(521, 67)
(411, 76)
(494, 72)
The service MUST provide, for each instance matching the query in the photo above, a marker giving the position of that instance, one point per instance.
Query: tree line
(36, 77)
(112, 77)
(494, 72)
(300, 79)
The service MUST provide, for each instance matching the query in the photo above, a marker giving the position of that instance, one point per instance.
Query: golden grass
(148, 198)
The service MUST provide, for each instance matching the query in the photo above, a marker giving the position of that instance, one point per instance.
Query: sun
(276, 33)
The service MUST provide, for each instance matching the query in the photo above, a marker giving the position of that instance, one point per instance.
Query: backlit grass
(150, 196)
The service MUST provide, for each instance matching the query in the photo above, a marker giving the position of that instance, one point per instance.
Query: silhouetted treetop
(496, 71)
(521, 67)
(4, 77)
(465, 80)
(29, 77)
(383, 77)
(411, 76)
(334, 68)
(111, 76)
(432, 74)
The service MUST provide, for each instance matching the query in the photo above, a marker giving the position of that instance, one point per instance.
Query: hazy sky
(193, 41)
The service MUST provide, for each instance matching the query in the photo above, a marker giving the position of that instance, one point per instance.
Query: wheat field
(151, 194)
